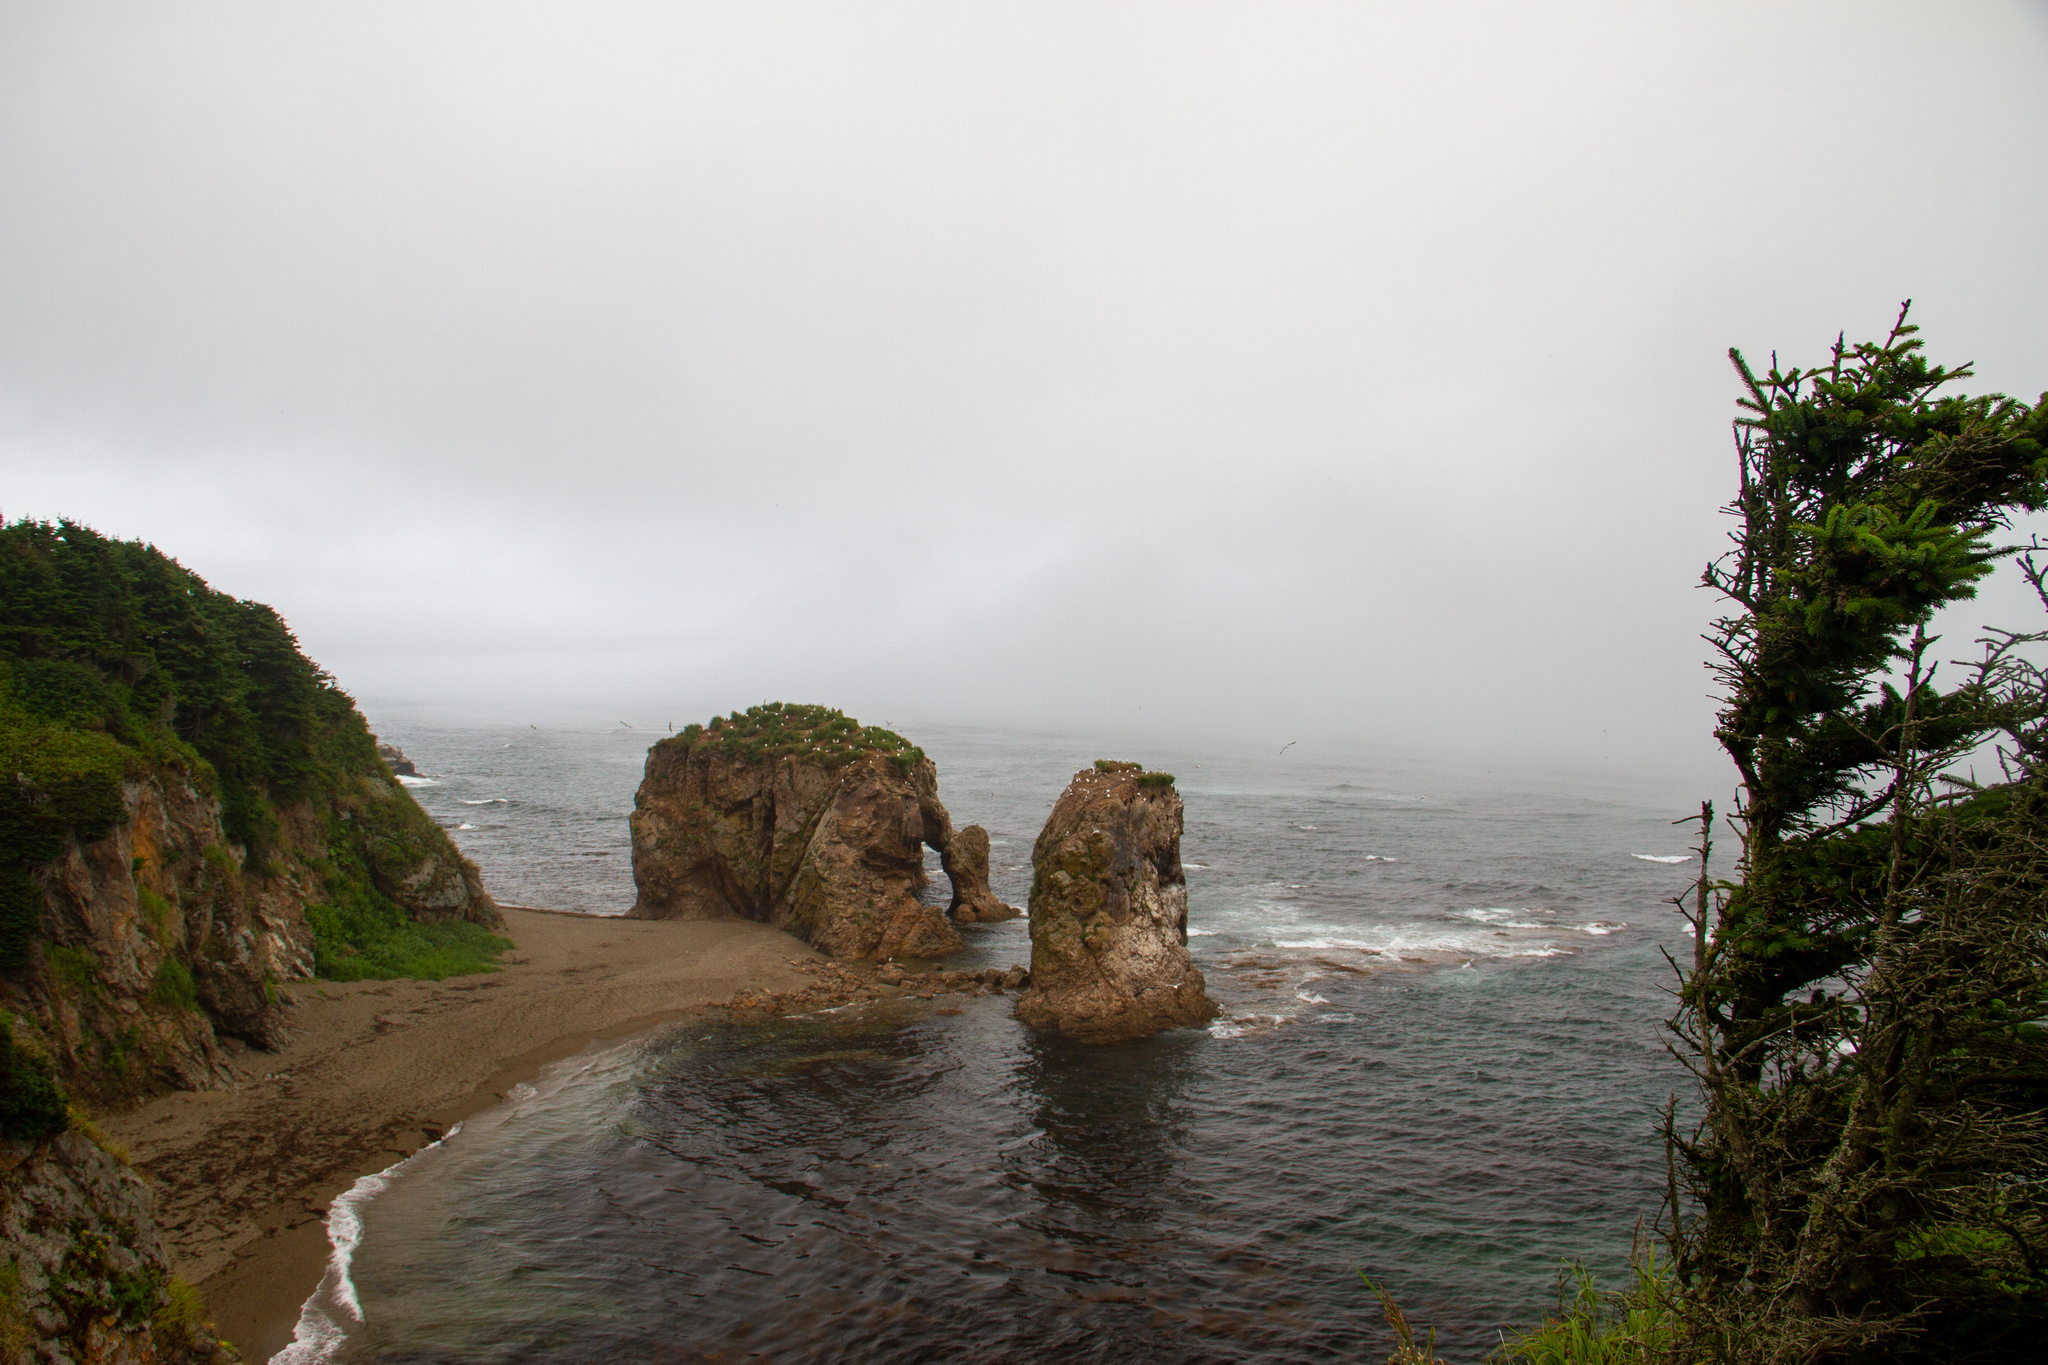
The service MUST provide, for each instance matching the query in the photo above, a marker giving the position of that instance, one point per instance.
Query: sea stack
(966, 862)
(803, 818)
(1109, 912)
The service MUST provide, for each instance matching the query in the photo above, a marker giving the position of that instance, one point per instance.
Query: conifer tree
(1870, 1171)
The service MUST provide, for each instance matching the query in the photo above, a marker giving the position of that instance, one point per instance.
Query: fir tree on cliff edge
(1870, 1173)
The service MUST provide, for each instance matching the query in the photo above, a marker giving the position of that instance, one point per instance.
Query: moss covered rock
(82, 1275)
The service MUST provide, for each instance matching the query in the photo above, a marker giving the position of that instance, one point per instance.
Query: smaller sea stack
(1109, 912)
(966, 862)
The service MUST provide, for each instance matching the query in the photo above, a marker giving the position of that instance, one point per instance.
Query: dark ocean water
(1438, 1065)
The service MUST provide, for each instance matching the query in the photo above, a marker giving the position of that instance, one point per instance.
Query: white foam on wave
(1663, 857)
(1416, 939)
(407, 781)
(1380, 858)
(1203, 933)
(1242, 1024)
(465, 825)
(1194, 867)
(486, 801)
(1505, 917)
(318, 1336)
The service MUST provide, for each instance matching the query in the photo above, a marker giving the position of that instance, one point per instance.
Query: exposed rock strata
(1109, 912)
(82, 1275)
(801, 818)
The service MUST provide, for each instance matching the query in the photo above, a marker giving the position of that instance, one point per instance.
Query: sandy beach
(377, 1069)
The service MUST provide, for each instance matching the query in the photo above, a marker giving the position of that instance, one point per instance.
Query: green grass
(421, 952)
(73, 970)
(1150, 781)
(156, 913)
(174, 986)
(1592, 1328)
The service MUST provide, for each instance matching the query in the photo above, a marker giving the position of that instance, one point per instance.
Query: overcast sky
(1332, 372)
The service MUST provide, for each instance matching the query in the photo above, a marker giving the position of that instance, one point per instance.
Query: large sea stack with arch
(803, 818)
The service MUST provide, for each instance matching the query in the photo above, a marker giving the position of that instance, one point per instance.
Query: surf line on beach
(319, 1333)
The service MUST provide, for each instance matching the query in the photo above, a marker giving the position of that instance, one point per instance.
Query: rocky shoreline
(839, 985)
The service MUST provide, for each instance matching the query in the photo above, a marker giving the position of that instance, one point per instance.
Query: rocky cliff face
(799, 817)
(83, 1279)
(160, 939)
(1109, 912)
(192, 815)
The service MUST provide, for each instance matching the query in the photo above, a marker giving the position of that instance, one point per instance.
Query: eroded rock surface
(87, 1280)
(800, 817)
(1109, 912)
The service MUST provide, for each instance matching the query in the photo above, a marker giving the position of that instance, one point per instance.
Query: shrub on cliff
(31, 1104)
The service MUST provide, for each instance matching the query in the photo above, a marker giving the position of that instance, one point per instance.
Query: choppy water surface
(1438, 1065)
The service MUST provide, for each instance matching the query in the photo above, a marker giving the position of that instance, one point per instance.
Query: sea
(1438, 1072)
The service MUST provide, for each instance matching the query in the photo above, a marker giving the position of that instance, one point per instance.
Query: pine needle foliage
(1869, 1175)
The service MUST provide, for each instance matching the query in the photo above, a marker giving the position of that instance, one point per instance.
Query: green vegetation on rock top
(1145, 779)
(789, 730)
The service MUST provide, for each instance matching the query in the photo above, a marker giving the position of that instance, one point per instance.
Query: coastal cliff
(193, 816)
(802, 818)
(1109, 912)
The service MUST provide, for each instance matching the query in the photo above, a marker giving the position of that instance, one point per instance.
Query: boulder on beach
(1109, 912)
(803, 818)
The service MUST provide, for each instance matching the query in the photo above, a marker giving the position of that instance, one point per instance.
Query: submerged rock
(1109, 912)
(800, 817)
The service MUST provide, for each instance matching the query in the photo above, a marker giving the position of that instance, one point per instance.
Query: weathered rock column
(966, 864)
(1109, 912)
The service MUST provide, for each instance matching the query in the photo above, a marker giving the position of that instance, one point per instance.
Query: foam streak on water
(1437, 1062)
(319, 1334)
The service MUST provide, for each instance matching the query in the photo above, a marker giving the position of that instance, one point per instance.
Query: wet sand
(377, 1069)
